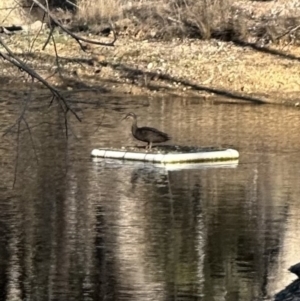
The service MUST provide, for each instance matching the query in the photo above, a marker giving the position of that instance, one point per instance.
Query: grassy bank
(244, 21)
(188, 48)
(185, 67)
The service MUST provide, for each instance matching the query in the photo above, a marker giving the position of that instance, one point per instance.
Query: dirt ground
(248, 71)
(183, 67)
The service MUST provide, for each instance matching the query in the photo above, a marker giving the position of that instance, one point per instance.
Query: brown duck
(146, 134)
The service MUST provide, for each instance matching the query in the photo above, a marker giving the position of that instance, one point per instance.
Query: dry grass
(202, 18)
(11, 12)
(99, 11)
(243, 20)
(240, 20)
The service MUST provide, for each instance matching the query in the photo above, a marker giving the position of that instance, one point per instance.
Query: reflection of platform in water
(169, 154)
(168, 166)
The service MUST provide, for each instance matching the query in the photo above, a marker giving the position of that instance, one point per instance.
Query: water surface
(75, 229)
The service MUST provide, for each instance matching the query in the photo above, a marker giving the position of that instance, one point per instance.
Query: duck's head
(130, 116)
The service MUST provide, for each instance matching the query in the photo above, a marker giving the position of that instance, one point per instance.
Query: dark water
(75, 229)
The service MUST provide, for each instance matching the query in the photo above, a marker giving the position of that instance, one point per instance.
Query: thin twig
(18, 63)
(38, 33)
(32, 127)
(48, 38)
(17, 156)
(174, 20)
(74, 36)
(18, 121)
(66, 125)
(11, 10)
(49, 24)
(288, 32)
(13, 7)
(56, 57)
(26, 123)
(73, 4)
(101, 121)
(49, 76)
(31, 139)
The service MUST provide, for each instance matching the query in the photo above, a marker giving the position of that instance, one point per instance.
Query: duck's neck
(134, 126)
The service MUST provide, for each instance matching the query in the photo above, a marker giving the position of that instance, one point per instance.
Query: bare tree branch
(76, 37)
(18, 63)
(9, 56)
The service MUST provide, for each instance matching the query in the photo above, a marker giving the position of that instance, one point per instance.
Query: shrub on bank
(240, 20)
(244, 21)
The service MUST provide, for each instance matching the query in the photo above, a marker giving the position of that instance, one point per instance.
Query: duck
(146, 134)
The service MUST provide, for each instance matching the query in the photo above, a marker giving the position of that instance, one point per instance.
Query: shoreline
(179, 68)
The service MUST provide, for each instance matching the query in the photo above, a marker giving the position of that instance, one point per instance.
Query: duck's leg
(150, 145)
(147, 146)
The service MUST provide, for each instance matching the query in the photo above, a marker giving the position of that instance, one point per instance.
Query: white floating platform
(167, 166)
(198, 155)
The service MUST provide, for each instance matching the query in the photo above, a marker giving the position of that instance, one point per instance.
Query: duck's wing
(145, 130)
